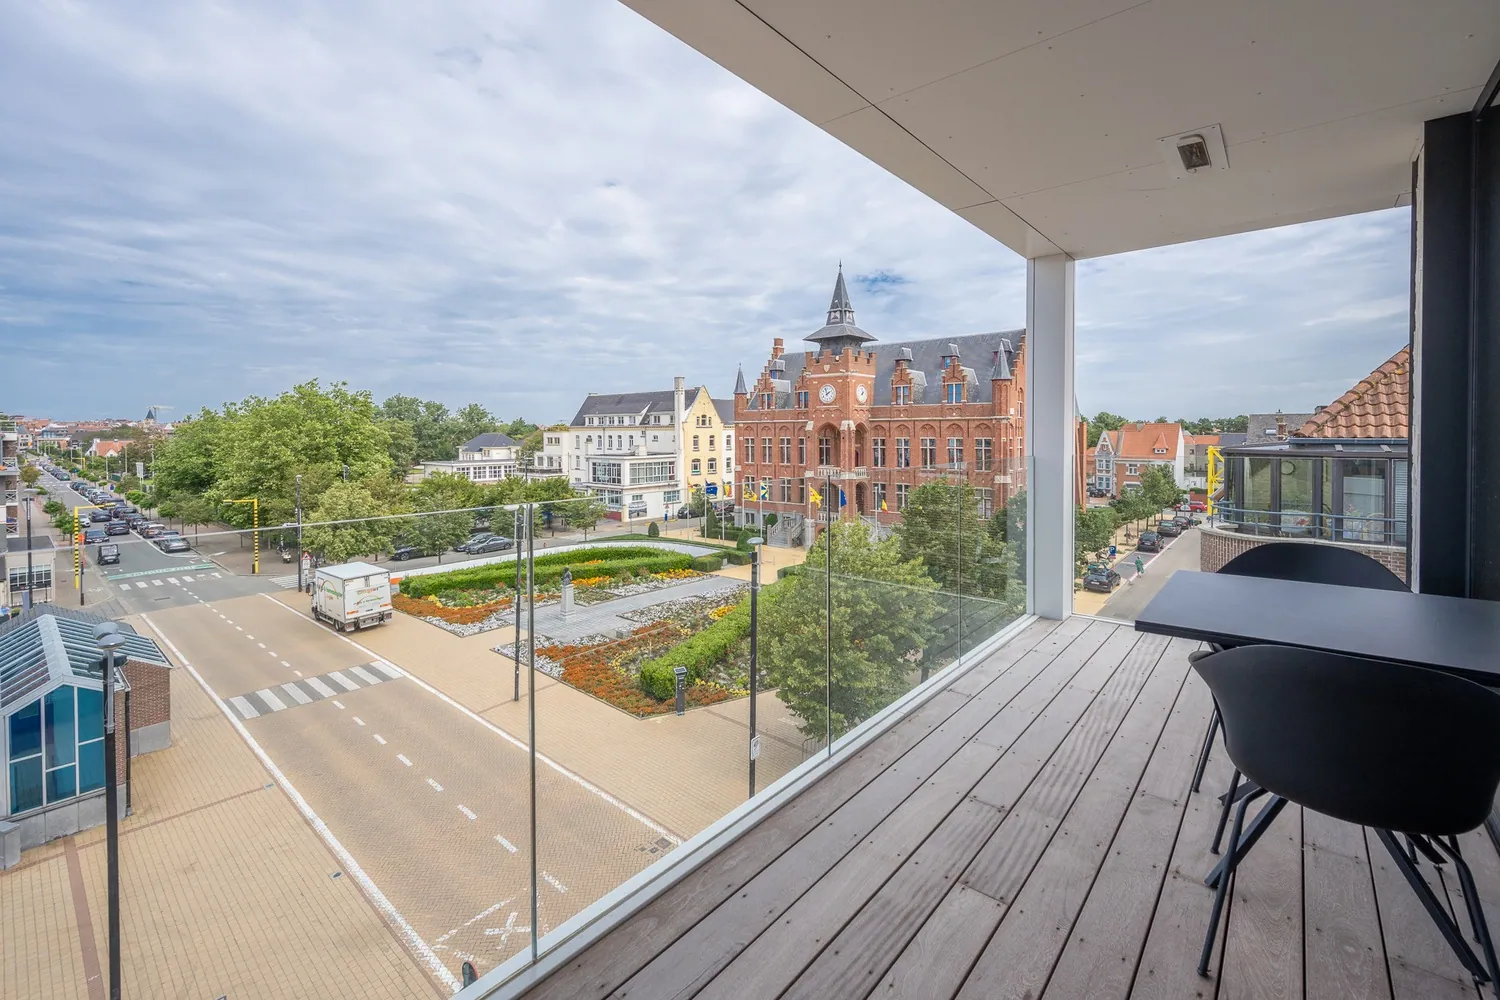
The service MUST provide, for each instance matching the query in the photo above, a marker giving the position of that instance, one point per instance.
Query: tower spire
(739, 383)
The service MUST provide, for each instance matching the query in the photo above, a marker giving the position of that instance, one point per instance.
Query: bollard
(467, 969)
(681, 673)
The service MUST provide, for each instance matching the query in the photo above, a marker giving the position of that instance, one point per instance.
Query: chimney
(1280, 426)
(778, 347)
(679, 396)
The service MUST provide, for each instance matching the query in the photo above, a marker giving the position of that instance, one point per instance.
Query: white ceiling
(1038, 120)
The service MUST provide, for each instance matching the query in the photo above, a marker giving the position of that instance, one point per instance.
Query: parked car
(474, 540)
(1149, 541)
(1198, 506)
(151, 529)
(1101, 577)
(173, 543)
(92, 535)
(108, 553)
(99, 515)
(1184, 522)
(117, 528)
(1169, 528)
(404, 552)
(134, 521)
(684, 511)
(495, 543)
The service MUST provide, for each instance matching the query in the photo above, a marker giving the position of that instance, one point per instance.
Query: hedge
(701, 651)
(617, 559)
(708, 564)
(737, 558)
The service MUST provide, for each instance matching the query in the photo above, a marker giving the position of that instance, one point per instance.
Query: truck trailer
(352, 596)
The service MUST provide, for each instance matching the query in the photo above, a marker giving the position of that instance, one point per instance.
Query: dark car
(151, 529)
(134, 521)
(1149, 541)
(173, 543)
(404, 552)
(107, 554)
(92, 535)
(122, 508)
(477, 539)
(98, 515)
(495, 543)
(1101, 578)
(1169, 528)
(684, 511)
(117, 528)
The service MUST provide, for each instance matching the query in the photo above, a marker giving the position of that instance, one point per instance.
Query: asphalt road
(431, 801)
(1133, 596)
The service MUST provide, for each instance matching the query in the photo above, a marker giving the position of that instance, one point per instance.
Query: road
(1133, 596)
(430, 800)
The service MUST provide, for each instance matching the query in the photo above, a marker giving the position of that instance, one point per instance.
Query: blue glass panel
(90, 765)
(26, 731)
(26, 785)
(61, 741)
(90, 714)
(61, 784)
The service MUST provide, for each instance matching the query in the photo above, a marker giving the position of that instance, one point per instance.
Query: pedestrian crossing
(155, 582)
(306, 690)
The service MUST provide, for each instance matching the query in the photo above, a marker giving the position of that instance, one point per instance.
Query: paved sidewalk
(205, 912)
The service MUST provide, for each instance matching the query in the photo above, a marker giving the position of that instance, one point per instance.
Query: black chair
(1305, 563)
(1402, 750)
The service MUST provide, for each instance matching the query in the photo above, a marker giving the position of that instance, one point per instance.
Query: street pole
(30, 578)
(109, 639)
(78, 555)
(828, 505)
(515, 607)
(531, 719)
(754, 653)
(299, 533)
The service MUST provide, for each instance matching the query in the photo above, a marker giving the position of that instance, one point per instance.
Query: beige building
(707, 444)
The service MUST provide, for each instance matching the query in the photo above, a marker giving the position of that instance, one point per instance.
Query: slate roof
(627, 403)
(1231, 439)
(488, 441)
(1261, 423)
(987, 352)
(1379, 406)
(840, 328)
(726, 410)
(47, 649)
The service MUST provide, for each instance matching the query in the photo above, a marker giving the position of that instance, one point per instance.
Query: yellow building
(708, 444)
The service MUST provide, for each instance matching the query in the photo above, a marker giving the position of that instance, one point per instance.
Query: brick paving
(204, 914)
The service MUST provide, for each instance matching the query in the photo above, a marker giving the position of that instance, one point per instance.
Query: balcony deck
(1028, 833)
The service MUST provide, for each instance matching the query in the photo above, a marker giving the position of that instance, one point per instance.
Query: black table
(1452, 634)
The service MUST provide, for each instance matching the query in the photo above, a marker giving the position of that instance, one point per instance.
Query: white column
(1050, 430)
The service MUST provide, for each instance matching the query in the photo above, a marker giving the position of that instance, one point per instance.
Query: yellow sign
(1215, 474)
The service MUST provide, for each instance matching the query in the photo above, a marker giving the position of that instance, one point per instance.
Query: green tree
(938, 517)
(444, 501)
(1160, 487)
(1101, 422)
(472, 421)
(358, 536)
(883, 613)
(584, 515)
(30, 474)
(1132, 506)
(1093, 527)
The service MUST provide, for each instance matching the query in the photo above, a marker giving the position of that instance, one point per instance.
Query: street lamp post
(30, 577)
(108, 638)
(755, 544)
(299, 533)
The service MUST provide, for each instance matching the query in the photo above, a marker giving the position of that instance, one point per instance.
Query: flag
(883, 507)
(765, 490)
(842, 500)
(817, 498)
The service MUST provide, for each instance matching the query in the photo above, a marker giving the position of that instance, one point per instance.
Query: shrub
(708, 564)
(737, 557)
(613, 561)
(743, 542)
(659, 681)
(711, 646)
(652, 530)
(786, 571)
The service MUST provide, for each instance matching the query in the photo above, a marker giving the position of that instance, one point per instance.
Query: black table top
(1452, 634)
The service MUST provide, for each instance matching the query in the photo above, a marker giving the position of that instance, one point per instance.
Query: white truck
(352, 596)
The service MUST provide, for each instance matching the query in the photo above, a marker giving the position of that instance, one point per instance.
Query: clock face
(827, 393)
(860, 392)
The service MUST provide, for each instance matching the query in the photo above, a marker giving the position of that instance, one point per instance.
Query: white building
(554, 458)
(487, 458)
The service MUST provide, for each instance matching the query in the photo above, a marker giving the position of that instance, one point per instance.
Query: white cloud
(516, 203)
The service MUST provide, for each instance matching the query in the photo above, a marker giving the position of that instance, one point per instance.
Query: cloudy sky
(519, 202)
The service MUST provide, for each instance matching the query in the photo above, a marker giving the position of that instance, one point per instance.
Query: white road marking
(519, 744)
(156, 583)
(435, 786)
(173, 579)
(364, 675)
(270, 698)
(379, 739)
(273, 654)
(402, 758)
(297, 672)
(387, 669)
(358, 721)
(141, 586)
(187, 579)
(249, 636)
(260, 644)
(246, 709)
(318, 686)
(283, 662)
(553, 882)
(227, 621)
(372, 891)
(343, 681)
(239, 628)
(338, 703)
(506, 844)
(467, 812)
(296, 694)
(218, 576)
(221, 616)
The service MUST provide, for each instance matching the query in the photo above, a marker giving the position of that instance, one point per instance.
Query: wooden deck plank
(1344, 953)
(1421, 964)
(871, 942)
(1262, 954)
(618, 955)
(793, 939)
(1099, 960)
(692, 960)
(1020, 957)
(1479, 851)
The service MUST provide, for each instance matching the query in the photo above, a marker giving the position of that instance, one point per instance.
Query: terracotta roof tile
(1378, 407)
(1142, 440)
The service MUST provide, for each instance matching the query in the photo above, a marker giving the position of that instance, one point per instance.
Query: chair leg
(1258, 826)
(1228, 798)
(1208, 744)
(1222, 891)
(1445, 924)
(1475, 907)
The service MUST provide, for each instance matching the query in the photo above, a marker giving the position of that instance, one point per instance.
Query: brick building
(886, 417)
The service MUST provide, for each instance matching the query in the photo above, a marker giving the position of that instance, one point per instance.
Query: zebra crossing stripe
(296, 694)
(218, 576)
(156, 583)
(388, 670)
(187, 579)
(265, 695)
(322, 689)
(246, 710)
(364, 675)
(343, 681)
(173, 579)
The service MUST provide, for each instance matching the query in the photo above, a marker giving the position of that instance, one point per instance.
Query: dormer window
(802, 399)
(901, 395)
(766, 400)
(955, 392)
